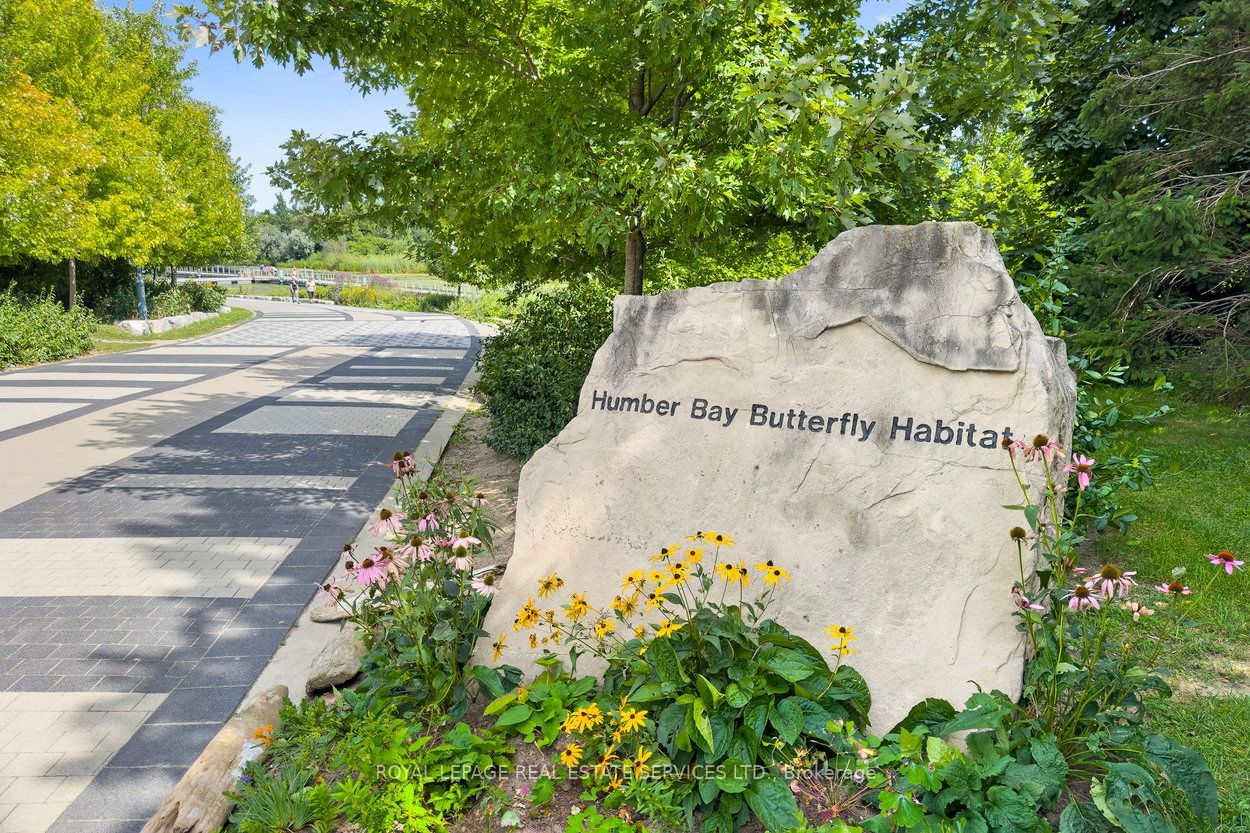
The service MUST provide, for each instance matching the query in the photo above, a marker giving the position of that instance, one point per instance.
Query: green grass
(1200, 503)
(107, 338)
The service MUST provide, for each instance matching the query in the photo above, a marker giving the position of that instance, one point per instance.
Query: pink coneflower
(1041, 446)
(330, 594)
(403, 463)
(1083, 468)
(1111, 581)
(389, 523)
(478, 499)
(1137, 609)
(415, 547)
(1081, 597)
(463, 543)
(1227, 560)
(1173, 588)
(373, 570)
(463, 561)
(427, 524)
(1022, 601)
(485, 585)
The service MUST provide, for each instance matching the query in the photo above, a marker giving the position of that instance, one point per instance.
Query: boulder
(338, 661)
(134, 327)
(199, 316)
(196, 804)
(179, 321)
(160, 325)
(844, 422)
(328, 613)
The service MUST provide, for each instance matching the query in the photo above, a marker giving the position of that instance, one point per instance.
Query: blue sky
(260, 107)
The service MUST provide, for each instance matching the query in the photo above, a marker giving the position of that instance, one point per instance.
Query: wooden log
(197, 803)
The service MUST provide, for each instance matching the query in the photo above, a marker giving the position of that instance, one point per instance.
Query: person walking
(311, 286)
(294, 286)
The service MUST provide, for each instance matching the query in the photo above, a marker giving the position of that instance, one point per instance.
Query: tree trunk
(635, 242)
(635, 253)
(73, 283)
(173, 275)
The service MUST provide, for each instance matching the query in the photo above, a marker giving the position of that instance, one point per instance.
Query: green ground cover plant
(37, 329)
(710, 715)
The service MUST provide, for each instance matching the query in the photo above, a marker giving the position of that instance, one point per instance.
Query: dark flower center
(1081, 591)
(385, 514)
(1226, 556)
(1041, 441)
(1175, 587)
(367, 563)
(1110, 571)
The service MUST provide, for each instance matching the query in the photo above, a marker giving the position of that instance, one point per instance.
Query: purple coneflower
(1110, 581)
(1022, 601)
(1227, 560)
(1083, 468)
(485, 585)
(427, 524)
(374, 569)
(1081, 597)
(1173, 588)
(389, 523)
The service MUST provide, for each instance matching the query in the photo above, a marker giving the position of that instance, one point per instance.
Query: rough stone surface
(328, 614)
(200, 316)
(338, 662)
(197, 803)
(904, 540)
(135, 327)
(160, 325)
(177, 321)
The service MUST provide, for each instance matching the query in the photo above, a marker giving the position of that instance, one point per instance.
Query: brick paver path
(165, 515)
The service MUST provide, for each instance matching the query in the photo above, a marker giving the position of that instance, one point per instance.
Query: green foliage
(717, 702)
(1142, 123)
(38, 329)
(552, 132)
(422, 618)
(774, 257)
(355, 763)
(532, 372)
(102, 149)
(538, 712)
(590, 820)
(1097, 433)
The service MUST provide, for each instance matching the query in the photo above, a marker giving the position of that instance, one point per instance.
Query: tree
(543, 129)
(105, 154)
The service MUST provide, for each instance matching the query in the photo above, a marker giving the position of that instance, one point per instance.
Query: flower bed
(709, 715)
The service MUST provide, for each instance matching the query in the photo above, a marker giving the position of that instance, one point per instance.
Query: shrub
(532, 372)
(417, 601)
(38, 329)
(715, 688)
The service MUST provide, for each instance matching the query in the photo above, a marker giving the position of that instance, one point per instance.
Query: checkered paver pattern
(170, 576)
(320, 419)
(186, 566)
(52, 744)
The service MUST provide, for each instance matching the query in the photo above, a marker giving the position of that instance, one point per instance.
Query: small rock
(328, 614)
(178, 321)
(338, 661)
(160, 325)
(134, 326)
(199, 316)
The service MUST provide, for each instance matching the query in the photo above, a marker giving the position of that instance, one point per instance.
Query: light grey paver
(320, 419)
(138, 480)
(200, 567)
(65, 392)
(384, 380)
(15, 414)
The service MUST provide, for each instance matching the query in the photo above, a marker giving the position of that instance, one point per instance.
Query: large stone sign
(844, 422)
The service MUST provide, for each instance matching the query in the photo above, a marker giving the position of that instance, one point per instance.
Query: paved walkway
(165, 515)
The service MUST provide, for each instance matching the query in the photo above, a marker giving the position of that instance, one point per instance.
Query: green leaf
(733, 776)
(702, 726)
(710, 693)
(672, 675)
(773, 804)
(735, 696)
(789, 665)
(500, 703)
(1188, 770)
(787, 718)
(517, 714)
(1079, 817)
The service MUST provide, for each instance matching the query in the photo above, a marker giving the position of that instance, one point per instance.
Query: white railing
(322, 277)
